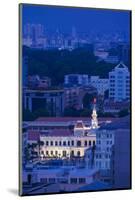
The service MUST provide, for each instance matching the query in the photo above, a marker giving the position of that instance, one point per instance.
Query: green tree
(71, 112)
(123, 113)
(85, 113)
(41, 113)
(27, 115)
(88, 99)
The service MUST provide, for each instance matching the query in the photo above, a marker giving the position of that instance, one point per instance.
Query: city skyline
(64, 18)
(76, 100)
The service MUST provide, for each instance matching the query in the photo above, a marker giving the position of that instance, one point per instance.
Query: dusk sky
(85, 20)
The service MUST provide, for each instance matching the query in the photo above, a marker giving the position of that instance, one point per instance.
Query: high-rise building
(120, 159)
(119, 83)
(33, 35)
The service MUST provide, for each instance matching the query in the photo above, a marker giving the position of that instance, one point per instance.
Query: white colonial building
(66, 144)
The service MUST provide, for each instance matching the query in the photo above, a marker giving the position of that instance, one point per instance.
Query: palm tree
(39, 144)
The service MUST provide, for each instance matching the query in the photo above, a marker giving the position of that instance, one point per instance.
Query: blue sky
(85, 20)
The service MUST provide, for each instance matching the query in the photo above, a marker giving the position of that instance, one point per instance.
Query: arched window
(64, 153)
(64, 143)
(78, 143)
(72, 142)
(85, 143)
(78, 153)
(72, 153)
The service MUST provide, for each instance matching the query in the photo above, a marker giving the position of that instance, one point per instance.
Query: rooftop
(97, 185)
(69, 119)
(121, 123)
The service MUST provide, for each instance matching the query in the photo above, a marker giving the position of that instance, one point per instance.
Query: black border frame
(20, 193)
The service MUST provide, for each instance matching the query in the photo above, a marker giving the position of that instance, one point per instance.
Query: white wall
(9, 99)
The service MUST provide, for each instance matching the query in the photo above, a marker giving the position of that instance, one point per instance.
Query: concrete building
(119, 83)
(76, 79)
(24, 71)
(113, 150)
(62, 179)
(104, 142)
(37, 82)
(52, 100)
(101, 84)
(121, 156)
(73, 96)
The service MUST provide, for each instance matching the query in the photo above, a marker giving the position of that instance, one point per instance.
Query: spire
(94, 121)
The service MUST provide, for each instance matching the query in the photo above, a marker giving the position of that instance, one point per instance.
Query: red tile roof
(60, 132)
(68, 119)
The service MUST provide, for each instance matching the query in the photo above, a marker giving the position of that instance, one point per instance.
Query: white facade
(101, 84)
(76, 79)
(66, 147)
(119, 83)
(104, 142)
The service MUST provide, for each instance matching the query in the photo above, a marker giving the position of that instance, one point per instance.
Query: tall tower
(94, 120)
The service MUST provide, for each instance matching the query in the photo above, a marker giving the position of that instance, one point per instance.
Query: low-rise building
(50, 100)
(76, 79)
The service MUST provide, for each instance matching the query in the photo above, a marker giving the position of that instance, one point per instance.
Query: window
(51, 180)
(47, 153)
(85, 143)
(43, 180)
(107, 149)
(51, 143)
(56, 152)
(78, 143)
(47, 143)
(64, 153)
(56, 143)
(89, 143)
(64, 143)
(60, 143)
(68, 143)
(78, 153)
(72, 153)
(94, 143)
(73, 180)
(82, 180)
(51, 152)
(72, 142)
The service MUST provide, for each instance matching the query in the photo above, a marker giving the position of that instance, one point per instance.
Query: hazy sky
(84, 20)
